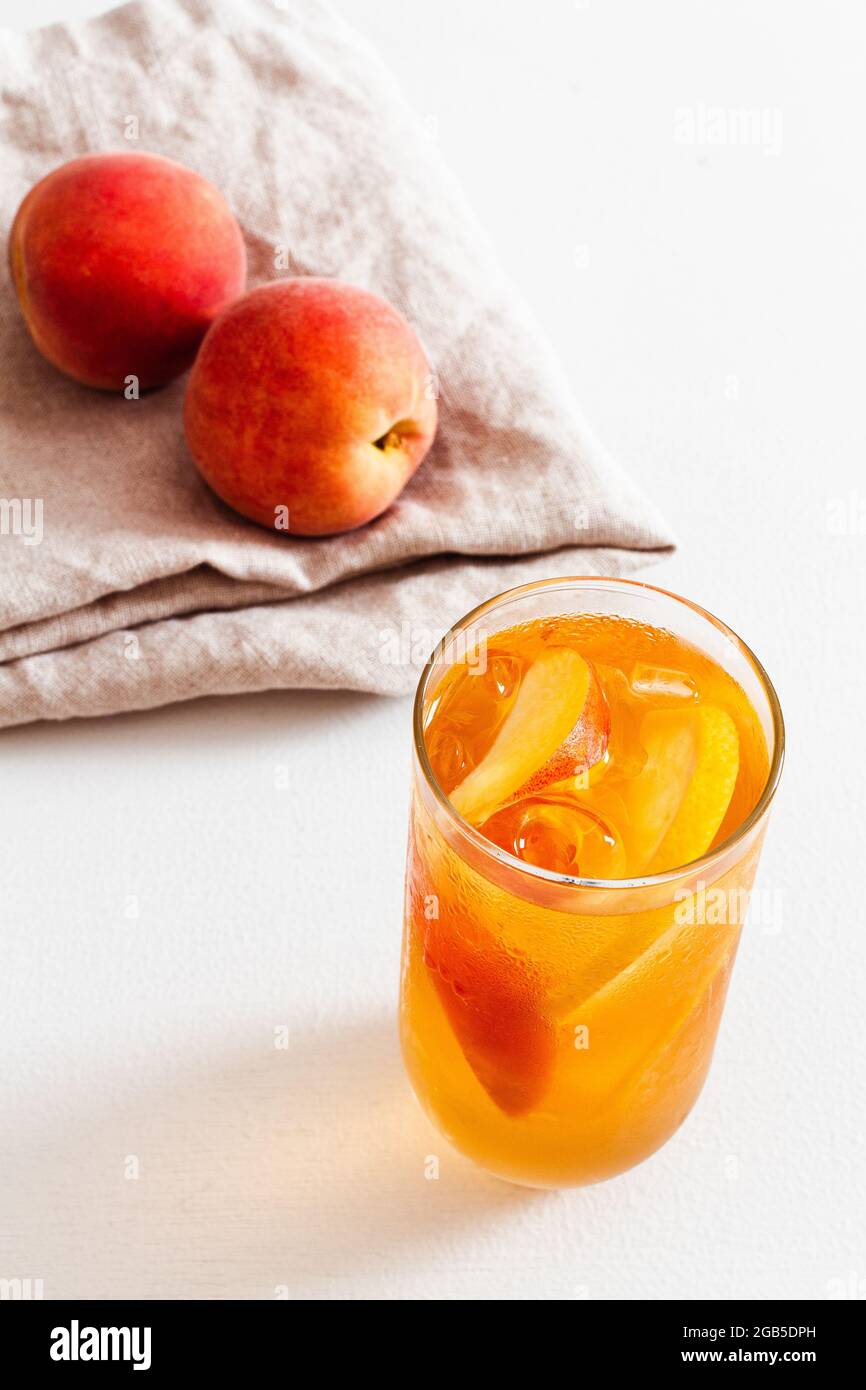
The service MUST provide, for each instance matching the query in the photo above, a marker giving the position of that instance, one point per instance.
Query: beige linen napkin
(124, 583)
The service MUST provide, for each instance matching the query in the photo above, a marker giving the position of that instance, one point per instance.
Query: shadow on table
(298, 1172)
(209, 721)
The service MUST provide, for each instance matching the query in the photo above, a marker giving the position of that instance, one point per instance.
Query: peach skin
(120, 263)
(310, 406)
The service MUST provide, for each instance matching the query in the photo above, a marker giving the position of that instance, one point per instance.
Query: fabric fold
(138, 587)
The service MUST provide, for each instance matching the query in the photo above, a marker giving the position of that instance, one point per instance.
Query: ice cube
(662, 686)
(556, 833)
(503, 675)
(448, 758)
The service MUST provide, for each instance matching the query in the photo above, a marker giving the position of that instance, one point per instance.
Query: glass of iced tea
(594, 765)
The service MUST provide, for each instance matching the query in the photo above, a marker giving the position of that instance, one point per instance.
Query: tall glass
(627, 1057)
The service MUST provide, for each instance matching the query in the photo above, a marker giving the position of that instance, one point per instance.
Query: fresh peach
(310, 406)
(120, 263)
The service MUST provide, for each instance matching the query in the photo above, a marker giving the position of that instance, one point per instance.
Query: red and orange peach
(121, 262)
(310, 406)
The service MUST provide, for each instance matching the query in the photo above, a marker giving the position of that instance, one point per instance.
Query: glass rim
(533, 871)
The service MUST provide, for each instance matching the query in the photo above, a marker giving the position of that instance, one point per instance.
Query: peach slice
(582, 750)
(492, 1001)
(677, 803)
(636, 1013)
(703, 808)
(557, 727)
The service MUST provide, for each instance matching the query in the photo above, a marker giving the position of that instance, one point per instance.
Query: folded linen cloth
(124, 583)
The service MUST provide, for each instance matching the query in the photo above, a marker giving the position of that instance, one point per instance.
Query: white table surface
(166, 906)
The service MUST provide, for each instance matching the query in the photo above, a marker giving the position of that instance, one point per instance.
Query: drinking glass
(620, 982)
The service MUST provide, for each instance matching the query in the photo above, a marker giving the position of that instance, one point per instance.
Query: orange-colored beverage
(587, 817)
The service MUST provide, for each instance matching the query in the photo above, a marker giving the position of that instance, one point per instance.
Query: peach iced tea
(561, 993)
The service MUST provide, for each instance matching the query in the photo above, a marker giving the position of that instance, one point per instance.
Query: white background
(708, 303)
